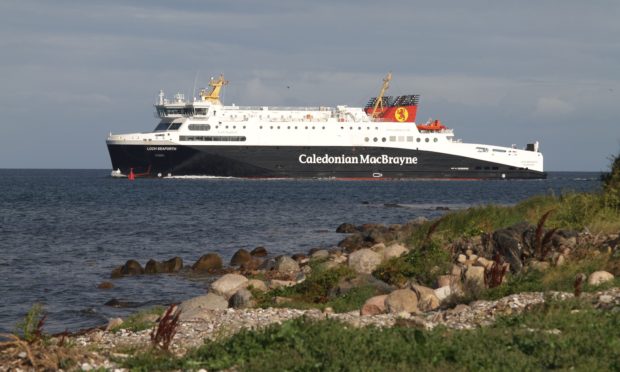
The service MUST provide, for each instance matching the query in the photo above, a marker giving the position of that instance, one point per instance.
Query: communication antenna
(194, 90)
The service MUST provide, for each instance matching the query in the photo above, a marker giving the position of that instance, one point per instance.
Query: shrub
(422, 265)
(611, 184)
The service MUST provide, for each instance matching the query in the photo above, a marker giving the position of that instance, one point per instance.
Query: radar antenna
(379, 100)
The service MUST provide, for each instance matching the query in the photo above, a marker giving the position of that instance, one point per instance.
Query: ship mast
(214, 95)
(379, 100)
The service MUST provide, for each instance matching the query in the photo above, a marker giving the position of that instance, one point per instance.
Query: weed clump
(422, 265)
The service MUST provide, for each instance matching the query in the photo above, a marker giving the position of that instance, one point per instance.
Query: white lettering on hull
(359, 159)
(161, 148)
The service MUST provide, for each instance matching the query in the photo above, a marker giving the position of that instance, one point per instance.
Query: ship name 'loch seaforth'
(360, 159)
(202, 136)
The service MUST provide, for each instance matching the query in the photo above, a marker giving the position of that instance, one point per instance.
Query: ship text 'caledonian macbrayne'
(203, 137)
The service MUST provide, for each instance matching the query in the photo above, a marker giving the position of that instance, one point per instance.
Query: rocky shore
(240, 296)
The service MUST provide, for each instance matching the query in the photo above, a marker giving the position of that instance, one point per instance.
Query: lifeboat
(432, 126)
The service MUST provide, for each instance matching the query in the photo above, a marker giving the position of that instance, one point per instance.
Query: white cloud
(552, 106)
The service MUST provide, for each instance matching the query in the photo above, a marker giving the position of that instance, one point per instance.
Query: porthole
(312, 127)
(383, 139)
(426, 140)
(261, 127)
(288, 127)
(227, 127)
(278, 127)
(341, 127)
(359, 128)
(366, 139)
(435, 140)
(374, 139)
(417, 140)
(271, 127)
(323, 127)
(350, 128)
(306, 127)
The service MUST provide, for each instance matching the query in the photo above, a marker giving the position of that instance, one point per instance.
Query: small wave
(198, 177)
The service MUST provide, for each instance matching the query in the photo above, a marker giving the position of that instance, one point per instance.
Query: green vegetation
(611, 184)
(141, 320)
(30, 329)
(422, 265)
(316, 291)
(562, 335)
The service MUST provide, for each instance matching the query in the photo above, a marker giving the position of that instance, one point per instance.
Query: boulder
(173, 265)
(443, 292)
(320, 254)
(153, 267)
(259, 252)
(427, 299)
(132, 267)
(344, 286)
(258, 285)
(197, 307)
(364, 261)
(352, 243)
(346, 228)
(475, 276)
(113, 323)
(374, 306)
(444, 280)
(228, 284)
(267, 265)
(117, 272)
(300, 257)
(208, 262)
(513, 244)
(240, 257)
(600, 277)
(286, 265)
(401, 300)
(242, 299)
(394, 250)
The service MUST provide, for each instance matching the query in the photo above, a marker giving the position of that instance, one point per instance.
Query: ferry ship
(203, 137)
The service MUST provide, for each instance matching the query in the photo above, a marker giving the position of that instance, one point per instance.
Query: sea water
(62, 232)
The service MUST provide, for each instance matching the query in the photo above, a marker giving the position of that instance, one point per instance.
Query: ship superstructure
(202, 136)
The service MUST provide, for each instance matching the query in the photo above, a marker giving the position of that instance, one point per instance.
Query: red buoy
(131, 175)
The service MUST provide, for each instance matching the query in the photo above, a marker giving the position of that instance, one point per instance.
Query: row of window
(400, 139)
(213, 138)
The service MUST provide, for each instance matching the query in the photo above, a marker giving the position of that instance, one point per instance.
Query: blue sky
(498, 72)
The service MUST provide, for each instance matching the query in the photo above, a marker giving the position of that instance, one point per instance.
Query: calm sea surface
(63, 231)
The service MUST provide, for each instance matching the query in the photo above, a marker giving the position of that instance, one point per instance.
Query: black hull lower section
(305, 162)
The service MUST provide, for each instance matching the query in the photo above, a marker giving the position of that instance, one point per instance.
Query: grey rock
(242, 299)
(228, 284)
(364, 261)
(286, 265)
(196, 308)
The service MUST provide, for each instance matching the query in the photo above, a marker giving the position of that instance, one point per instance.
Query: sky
(497, 72)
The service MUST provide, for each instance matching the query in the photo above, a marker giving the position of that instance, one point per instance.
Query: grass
(557, 335)
(572, 211)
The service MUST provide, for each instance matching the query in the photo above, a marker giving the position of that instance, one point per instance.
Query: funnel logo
(401, 114)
